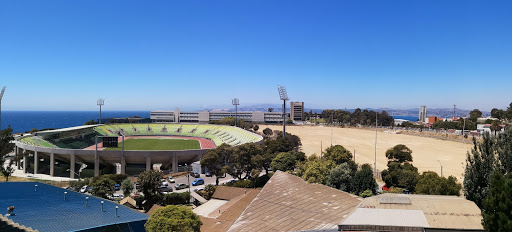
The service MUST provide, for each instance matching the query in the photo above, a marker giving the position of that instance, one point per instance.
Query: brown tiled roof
(128, 201)
(154, 208)
(228, 193)
(288, 203)
(229, 212)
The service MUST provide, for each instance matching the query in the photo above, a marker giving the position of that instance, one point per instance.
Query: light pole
(375, 164)
(1, 96)
(441, 168)
(78, 174)
(100, 103)
(236, 103)
(283, 95)
(463, 126)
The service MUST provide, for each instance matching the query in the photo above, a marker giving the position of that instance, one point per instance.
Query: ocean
(21, 121)
(410, 118)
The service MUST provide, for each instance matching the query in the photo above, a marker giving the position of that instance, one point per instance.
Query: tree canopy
(363, 181)
(399, 153)
(127, 186)
(315, 170)
(6, 147)
(173, 218)
(284, 161)
(217, 160)
(497, 206)
(338, 154)
(341, 176)
(149, 182)
(430, 183)
(103, 187)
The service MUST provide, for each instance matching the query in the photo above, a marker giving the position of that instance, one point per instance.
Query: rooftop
(288, 203)
(46, 209)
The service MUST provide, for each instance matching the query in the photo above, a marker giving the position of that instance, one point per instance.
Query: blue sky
(140, 55)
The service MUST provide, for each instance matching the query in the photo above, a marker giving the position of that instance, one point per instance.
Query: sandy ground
(427, 152)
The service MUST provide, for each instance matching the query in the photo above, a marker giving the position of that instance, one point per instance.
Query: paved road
(207, 180)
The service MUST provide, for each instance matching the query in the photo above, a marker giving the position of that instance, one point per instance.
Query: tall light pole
(375, 164)
(283, 95)
(463, 126)
(236, 103)
(441, 167)
(100, 103)
(1, 96)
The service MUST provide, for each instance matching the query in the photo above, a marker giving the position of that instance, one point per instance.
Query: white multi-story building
(423, 114)
(178, 116)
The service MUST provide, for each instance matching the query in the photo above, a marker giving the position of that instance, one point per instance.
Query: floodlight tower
(236, 103)
(1, 96)
(284, 96)
(100, 103)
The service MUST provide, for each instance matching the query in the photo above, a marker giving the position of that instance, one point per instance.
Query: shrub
(366, 193)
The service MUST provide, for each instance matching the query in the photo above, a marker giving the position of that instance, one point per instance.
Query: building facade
(423, 114)
(297, 111)
(203, 117)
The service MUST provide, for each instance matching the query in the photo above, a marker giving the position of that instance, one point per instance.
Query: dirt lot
(426, 151)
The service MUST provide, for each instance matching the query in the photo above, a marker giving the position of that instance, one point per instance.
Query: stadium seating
(37, 141)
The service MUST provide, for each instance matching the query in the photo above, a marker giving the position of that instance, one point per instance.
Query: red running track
(205, 143)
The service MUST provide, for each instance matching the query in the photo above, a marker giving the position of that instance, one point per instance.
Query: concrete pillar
(174, 163)
(18, 162)
(148, 163)
(72, 166)
(25, 163)
(96, 166)
(123, 165)
(52, 164)
(36, 162)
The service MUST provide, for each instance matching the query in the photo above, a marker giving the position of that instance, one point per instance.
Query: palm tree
(495, 126)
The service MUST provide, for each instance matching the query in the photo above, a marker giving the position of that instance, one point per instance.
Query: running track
(205, 143)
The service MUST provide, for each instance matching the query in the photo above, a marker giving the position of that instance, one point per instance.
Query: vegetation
(149, 182)
(399, 153)
(90, 122)
(267, 131)
(338, 154)
(497, 206)
(432, 184)
(341, 177)
(103, 187)
(6, 147)
(173, 218)
(400, 172)
(361, 117)
(287, 161)
(217, 160)
(127, 186)
(364, 183)
(158, 144)
(315, 170)
(176, 199)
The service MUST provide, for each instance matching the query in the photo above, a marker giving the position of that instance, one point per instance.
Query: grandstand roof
(46, 209)
(65, 129)
(288, 203)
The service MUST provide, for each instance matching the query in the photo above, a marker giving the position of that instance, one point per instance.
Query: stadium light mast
(1, 96)
(100, 103)
(236, 103)
(283, 95)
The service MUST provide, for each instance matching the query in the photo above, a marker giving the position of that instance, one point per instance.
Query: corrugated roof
(288, 203)
(385, 218)
(46, 209)
(228, 193)
(446, 212)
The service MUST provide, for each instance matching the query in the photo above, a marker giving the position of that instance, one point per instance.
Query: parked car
(196, 175)
(208, 174)
(117, 187)
(197, 182)
(231, 181)
(83, 189)
(165, 190)
(181, 186)
(116, 195)
(385, 188)
(165, 184)
(198, 189)
(137, 186)
(89, 189)
(171, 180)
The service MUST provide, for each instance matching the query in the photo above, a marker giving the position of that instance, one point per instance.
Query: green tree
(149, 182)
(497, 211)
(496, 113)
(364, 181)
(127, 186)
(315, 170)
(267, 131)
(103, 187)
(284, 161)
(495, 126)
(338, 154)
(242, 160)
(341, 176)
(399, 153)
(480, 164)
(474, 115)
(256, 127)
(400, 175)
(430, 183)
(6, 147)
(218, 160)
(173, 218)
(90, 122)
(210, 190)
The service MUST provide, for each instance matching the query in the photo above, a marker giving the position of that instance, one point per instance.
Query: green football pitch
(158, 144)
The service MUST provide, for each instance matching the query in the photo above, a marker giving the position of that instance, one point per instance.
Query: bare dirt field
(427, 152)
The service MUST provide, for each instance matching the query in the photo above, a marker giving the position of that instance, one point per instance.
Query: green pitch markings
(142, 144)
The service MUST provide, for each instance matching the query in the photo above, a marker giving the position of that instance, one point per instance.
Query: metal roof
(46, 209)
(288, 203)
(66, 129)
(365, 218)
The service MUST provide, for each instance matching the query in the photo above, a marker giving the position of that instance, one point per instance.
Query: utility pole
(1, 96)
(454, 111)
(332, 124)
(375, 164)
(441, 168)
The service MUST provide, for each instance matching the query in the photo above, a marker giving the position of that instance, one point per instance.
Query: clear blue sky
(141, 55)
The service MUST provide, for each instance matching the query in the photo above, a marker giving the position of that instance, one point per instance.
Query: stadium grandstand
(62, 152)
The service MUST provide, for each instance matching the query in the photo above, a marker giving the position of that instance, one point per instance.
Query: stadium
(73, 151)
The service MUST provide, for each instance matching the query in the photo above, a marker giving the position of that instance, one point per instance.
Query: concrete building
(204, 117)
(423, 114)
(297, 111)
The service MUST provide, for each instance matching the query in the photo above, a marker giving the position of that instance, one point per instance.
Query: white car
(171, 180)
(115, 195)
(83, 189)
